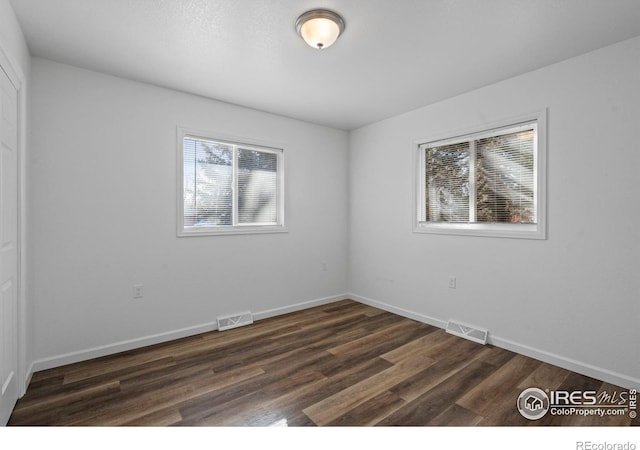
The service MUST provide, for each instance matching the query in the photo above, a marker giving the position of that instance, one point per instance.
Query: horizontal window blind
(447, 183)
(229, 185)
(487, 177)
(257, 186)
(505, 178)
(207, 183)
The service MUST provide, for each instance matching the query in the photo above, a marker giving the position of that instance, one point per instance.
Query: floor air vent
(234, 321)
(467, 332)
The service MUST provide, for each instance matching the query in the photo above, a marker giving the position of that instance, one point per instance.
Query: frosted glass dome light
(320, 28)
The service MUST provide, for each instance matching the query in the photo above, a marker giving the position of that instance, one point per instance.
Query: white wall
(103, 176)
(571, 299)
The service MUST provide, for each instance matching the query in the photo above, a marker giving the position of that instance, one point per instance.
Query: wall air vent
(467, 332)
(234, 320)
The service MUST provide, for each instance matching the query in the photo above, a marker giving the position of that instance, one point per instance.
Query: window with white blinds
(228, 187)
(488, 182)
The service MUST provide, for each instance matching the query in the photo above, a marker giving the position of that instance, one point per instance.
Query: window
(227, 187)
(487, 182)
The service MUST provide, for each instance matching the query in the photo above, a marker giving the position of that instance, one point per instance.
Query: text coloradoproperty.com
(601, 412)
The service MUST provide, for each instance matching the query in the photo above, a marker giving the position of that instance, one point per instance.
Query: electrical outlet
(138, 290)
(452, 282)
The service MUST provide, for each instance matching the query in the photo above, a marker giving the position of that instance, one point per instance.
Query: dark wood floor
(339, 364)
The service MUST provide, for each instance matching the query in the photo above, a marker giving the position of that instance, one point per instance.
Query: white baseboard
(400, 311)
(599, 373)
(27, 379)
(122, 346)
(131, 344)
(298, 306)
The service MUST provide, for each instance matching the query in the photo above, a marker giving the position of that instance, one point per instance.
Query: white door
(8, 247)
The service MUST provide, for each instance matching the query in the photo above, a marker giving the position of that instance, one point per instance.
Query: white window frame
(237, 228)
(501, 230)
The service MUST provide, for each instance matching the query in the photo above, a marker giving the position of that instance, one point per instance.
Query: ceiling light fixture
(320, 28)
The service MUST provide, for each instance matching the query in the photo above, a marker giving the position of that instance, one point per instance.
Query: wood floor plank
(504, 411)
(145, 392)
(49, 409)
(418, 346)
(135, 407)
(371, 411)
(456, 416)
(266, 410)
(35, 396)
(338, 404)
(164, 377)
(338, 370)
(431, 404)
(130, 371)
(546, 376)
(162, 418)
(482, 398)
(246, 393)
(357, 347)
(121, 361)
(299, 419)
(343, 363)
(250, 394)
(497, 356)
(455, 360)
(347, 375)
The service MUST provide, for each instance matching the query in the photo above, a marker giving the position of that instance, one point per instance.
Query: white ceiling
(395, 55)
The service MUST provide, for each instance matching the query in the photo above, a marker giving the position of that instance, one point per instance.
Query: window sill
(222, 231)
(497, 230)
